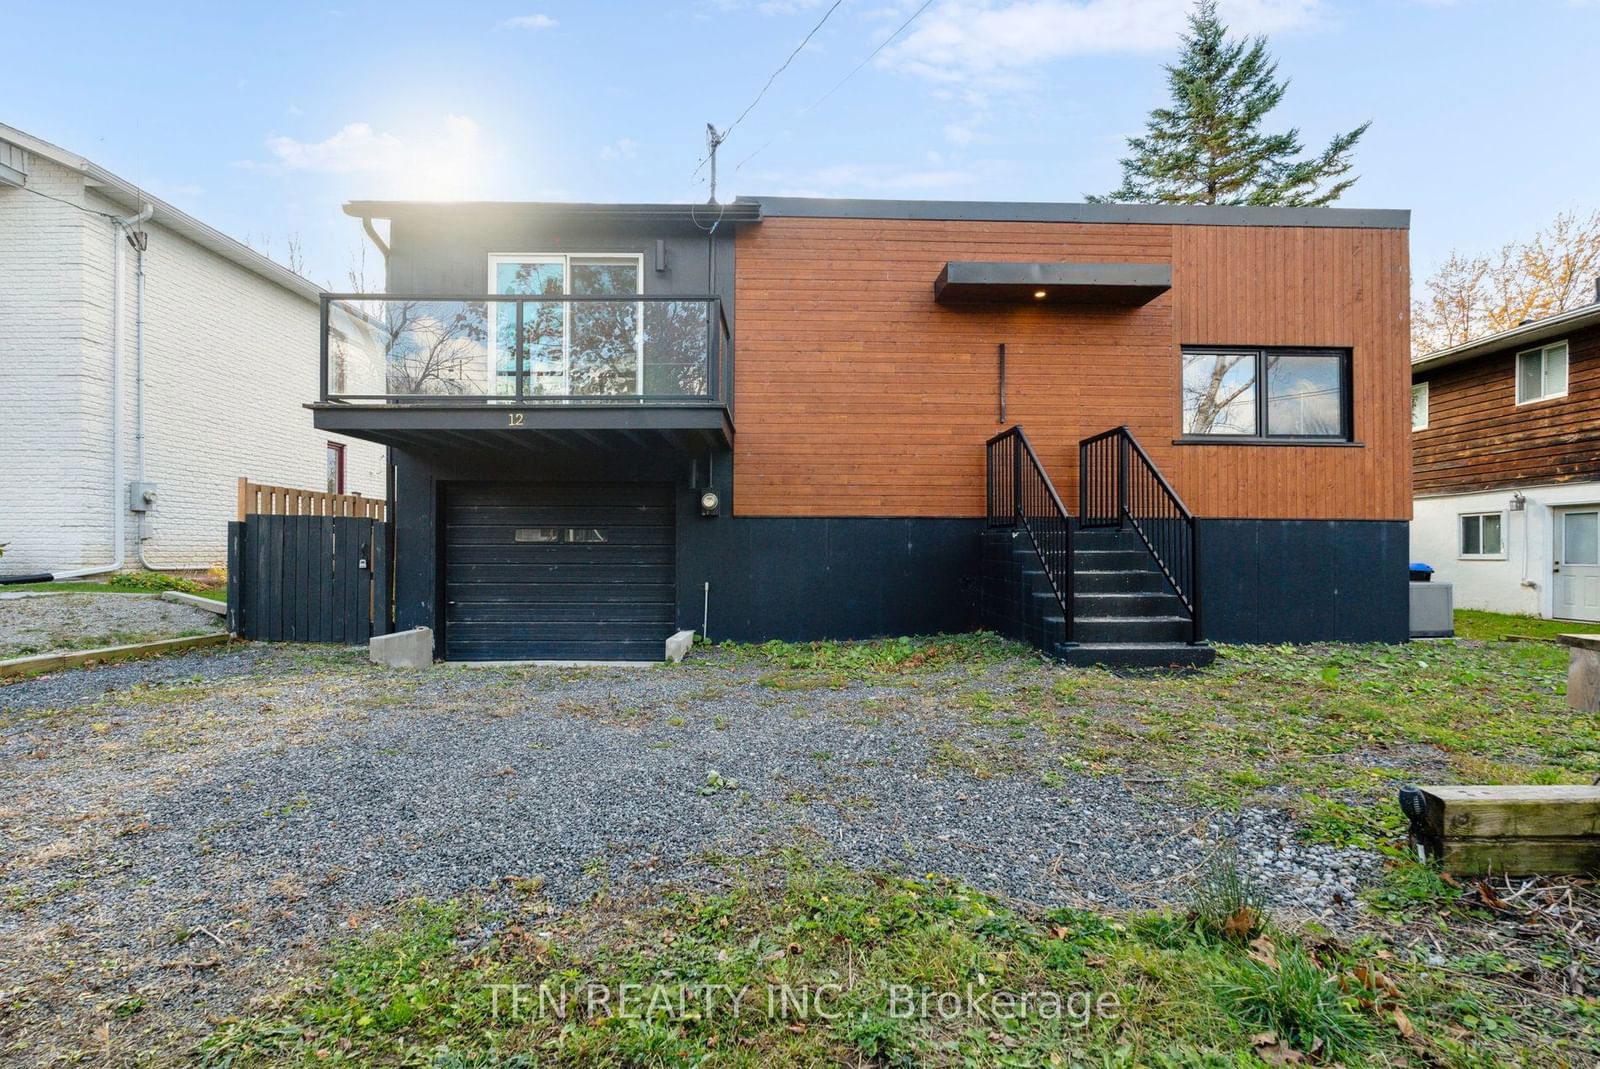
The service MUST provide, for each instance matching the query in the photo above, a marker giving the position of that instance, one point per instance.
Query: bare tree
(1470, 296)
(434, 347)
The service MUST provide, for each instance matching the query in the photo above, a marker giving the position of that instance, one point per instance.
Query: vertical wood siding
(1479, 438)
(859, 396)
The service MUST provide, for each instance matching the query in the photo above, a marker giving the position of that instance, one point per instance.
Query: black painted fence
(307, 578)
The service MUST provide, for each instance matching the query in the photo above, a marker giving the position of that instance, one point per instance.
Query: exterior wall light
(710, 503)
(1519, 501)
(1039, 294)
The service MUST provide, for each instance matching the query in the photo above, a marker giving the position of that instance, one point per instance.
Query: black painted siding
(1304, 580)
(812, 578)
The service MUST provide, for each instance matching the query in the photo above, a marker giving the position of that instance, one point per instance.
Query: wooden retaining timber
(1511, 830)
(50, 662)
(260, 499)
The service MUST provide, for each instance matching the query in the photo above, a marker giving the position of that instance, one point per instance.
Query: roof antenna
(713, 141)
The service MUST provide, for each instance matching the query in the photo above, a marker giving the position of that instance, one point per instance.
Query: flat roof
(1525, 334)
(754, 209)
(1041, 212)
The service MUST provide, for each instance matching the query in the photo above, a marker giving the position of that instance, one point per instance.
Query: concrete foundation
(403, 649)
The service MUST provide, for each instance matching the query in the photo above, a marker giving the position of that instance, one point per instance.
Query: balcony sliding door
(576, 349)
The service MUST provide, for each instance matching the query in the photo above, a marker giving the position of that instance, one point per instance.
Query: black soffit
(972, 282)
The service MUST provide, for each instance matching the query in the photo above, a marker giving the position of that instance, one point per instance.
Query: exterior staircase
(1127, 612)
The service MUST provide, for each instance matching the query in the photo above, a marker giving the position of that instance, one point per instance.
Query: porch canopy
(974, 282)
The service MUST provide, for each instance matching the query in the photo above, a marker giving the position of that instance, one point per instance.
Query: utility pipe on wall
(119, 228)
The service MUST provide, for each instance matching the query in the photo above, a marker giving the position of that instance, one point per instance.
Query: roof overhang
(1540, 330)
(132, 199)
(975, 282)
(702, 215)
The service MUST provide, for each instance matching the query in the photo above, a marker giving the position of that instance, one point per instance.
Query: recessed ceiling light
(1039, 294)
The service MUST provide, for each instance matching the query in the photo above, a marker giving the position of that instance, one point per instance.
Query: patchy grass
(854, 661)
(1332, 730)
(800, 964)
(219, 593)
(1495, 626)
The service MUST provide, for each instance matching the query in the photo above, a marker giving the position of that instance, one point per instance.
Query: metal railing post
(1122, 478)
(520, 357)
(1194, 579)
(323, 316)
(1016, 479)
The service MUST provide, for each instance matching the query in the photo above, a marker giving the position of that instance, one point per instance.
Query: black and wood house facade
(1116, 431)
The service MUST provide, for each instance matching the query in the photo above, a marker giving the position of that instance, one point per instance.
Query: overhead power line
(774, 77)
(853, 72)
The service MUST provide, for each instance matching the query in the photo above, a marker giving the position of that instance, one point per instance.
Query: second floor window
(1542, 373)
(1419, 407)
(1266, 393)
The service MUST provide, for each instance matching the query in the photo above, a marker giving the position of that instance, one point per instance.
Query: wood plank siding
(859, 396)
(1479, 438)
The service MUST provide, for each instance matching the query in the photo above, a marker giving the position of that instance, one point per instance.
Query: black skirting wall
(1304, 580)
(816, 578)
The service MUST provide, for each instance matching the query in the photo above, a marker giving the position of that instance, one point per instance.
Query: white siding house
(199, 382)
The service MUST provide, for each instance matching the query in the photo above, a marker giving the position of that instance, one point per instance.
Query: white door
(1577, 568)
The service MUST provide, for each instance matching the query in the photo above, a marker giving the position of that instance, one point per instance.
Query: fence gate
(307, 578)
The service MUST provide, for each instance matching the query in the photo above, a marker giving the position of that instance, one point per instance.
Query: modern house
(793, 418)
(147, 362)
(1506, 450)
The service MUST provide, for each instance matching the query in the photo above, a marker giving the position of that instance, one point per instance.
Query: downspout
(138, 403)
(119, 227)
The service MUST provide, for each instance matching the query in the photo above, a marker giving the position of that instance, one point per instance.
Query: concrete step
(1110, 560)
(1105, 629)
(1174, 655)
(1128, 603)
(1116, 581)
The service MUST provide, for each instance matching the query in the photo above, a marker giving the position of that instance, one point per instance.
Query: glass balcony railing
(542, 349)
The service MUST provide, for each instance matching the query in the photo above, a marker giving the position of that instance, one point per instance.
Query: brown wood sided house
(1117, 431)
(1506, 445)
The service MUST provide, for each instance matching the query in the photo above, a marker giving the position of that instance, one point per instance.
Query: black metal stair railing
(1020, 494)
(1119, 484)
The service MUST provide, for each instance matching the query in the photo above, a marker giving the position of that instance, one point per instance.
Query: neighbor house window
(1483, 535)
(1419, 407)
(1542, 373)
(1266, 393)
(335, 468)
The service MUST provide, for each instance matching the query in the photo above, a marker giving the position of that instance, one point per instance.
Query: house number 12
(516, 418)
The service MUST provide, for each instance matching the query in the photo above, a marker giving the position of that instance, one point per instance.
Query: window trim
(1543, 351)
(1505, 526)
(336, 449)
(565, 260)
(1346, 436)
(1427, 400)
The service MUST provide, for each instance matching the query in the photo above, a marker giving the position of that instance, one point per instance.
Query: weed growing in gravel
(914, 971)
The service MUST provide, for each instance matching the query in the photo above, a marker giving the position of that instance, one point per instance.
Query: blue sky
(261, 119)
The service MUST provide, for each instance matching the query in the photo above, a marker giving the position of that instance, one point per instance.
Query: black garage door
(558, 570)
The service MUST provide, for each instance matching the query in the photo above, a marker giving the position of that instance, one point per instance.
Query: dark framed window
(1252, 394)
(335, 468)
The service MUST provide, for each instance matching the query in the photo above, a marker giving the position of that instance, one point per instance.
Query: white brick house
(227, 341)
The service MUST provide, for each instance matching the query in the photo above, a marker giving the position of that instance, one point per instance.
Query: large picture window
(1247, 394)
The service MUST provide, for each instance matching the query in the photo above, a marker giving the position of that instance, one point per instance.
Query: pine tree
(1208, 147)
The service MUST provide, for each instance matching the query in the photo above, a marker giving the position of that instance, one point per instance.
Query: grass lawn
(1495, 626)
(832, 966)
(87, 586)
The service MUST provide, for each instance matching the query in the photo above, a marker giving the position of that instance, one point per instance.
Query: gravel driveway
(181, 831)
(50, 622)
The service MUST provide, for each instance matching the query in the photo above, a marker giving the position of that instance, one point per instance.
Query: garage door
(558, 570)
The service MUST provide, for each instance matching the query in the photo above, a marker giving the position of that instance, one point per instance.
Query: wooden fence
(308, 578)
(259, 499)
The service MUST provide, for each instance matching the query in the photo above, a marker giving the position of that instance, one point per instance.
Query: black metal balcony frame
(718, 353)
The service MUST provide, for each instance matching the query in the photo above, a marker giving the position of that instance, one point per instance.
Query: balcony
(418, 370)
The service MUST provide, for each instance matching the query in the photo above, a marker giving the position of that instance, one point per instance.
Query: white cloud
(625, 148)
(957, 134)
(990, 41)
(529, 22)
(449, 160)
